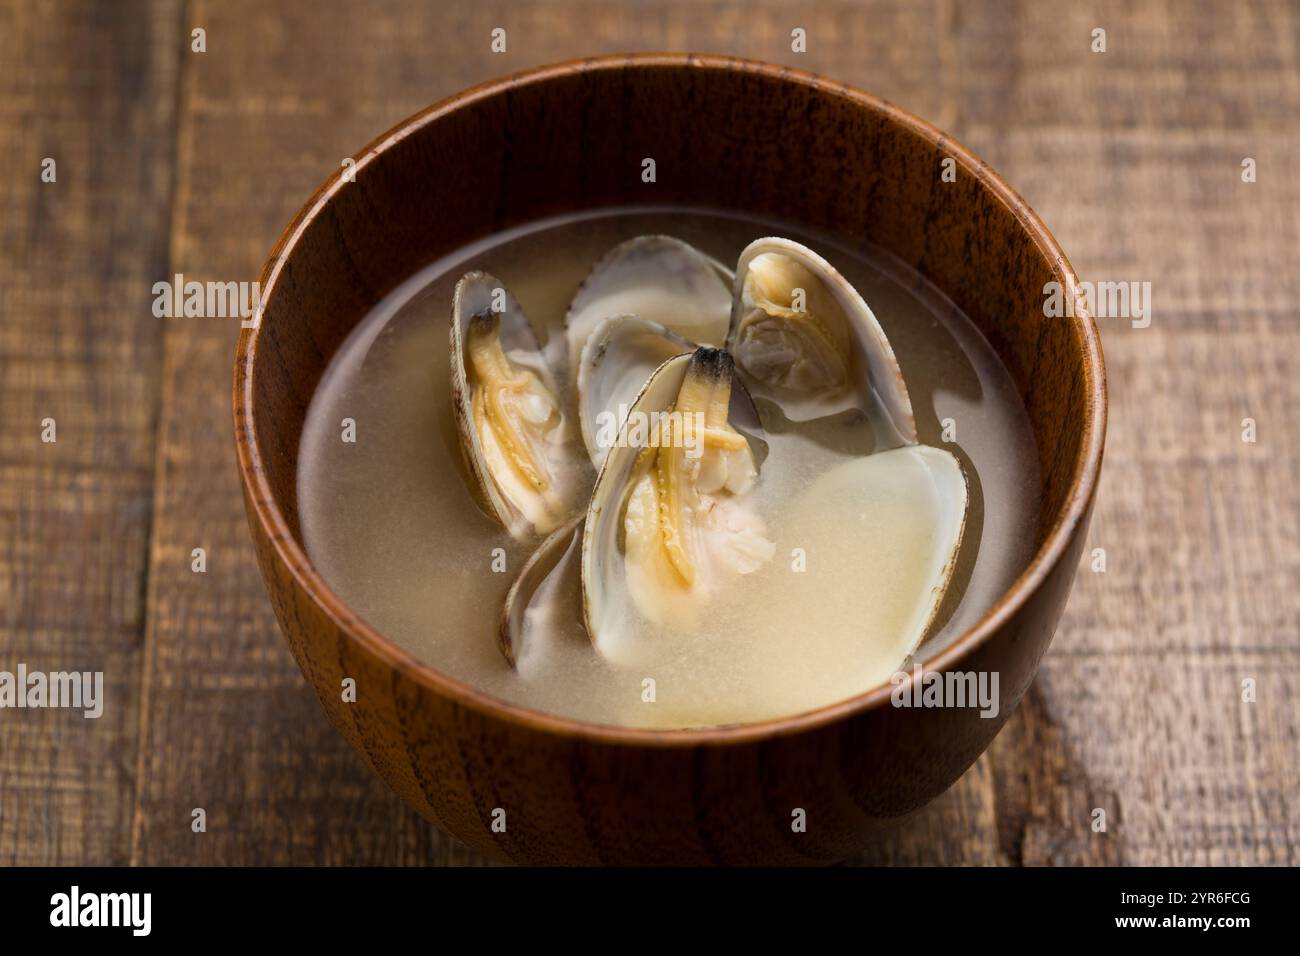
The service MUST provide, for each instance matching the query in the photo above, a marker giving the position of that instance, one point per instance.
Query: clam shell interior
(539, 419)
(617, 360)
(873, 373)
(897, 519)
(614, 587)
(657, 278)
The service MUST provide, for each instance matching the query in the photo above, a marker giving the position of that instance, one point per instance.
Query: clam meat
(802, 335)
(668, 524)
(515, 436)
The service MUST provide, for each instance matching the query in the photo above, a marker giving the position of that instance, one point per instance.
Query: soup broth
(389, 521)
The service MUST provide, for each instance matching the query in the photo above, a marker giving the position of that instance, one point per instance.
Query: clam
(672, 523)
(669, 523)
(660, 279)
(897, 518)
(617, 360)
(533, 595)
(804, 337)
(515, 437)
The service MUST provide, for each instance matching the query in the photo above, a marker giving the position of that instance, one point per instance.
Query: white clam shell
(617, 360)
(874, 367)
(897, 518)
(660, 279)
(532, 591)
(475, 294)
(606, 598)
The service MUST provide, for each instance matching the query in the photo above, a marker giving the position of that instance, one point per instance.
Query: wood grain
(97, 94)
(1131, 157)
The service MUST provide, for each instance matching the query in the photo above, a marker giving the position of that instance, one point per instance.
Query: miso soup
(823, 602)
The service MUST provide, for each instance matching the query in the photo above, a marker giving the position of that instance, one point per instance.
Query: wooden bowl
(725, 133)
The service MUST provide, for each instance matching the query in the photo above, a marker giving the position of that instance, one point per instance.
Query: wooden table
(174, 161)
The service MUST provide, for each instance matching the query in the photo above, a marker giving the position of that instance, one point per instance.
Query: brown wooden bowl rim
(1083, 481)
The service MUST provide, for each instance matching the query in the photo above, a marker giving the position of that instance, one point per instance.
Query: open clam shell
(660, 279)
(617, 360)
(802, 335)
(515, 438)
(897, 518)
(530, 594)
(663, 527)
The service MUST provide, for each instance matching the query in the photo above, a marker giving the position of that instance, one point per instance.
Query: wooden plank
(91, 87)
(1198, 595)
